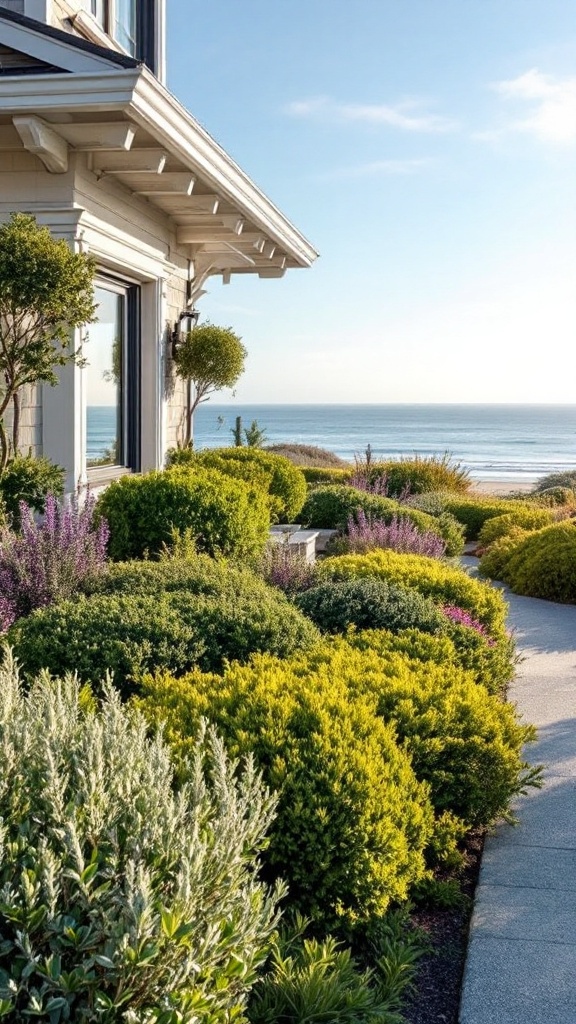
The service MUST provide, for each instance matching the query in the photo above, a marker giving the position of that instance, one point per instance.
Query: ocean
(505, 443)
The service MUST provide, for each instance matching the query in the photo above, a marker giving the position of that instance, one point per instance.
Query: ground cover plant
(224, 515)
(121, 898)
(174, 614)
(352, 821)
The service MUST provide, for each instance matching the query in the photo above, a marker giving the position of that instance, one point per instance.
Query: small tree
(45, 293)
(211, 358)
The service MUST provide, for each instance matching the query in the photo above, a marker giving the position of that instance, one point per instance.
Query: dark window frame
(146, 27)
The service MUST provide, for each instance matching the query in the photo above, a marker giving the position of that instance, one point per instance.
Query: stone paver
(521, 963)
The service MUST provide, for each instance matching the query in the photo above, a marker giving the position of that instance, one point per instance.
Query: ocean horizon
(500, 442)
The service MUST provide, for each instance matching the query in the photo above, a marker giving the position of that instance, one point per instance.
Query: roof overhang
(134, 130)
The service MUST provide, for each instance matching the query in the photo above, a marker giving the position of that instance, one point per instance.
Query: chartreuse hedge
(445, 584)
(473, 512)
(286, 482)
(352, 821)
(225, 516)
(539, 564)
(532, 518)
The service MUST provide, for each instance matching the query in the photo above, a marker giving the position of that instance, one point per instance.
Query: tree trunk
(16, 423)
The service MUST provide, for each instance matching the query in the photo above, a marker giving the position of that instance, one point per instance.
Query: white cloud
(404, 115)
(551, 114)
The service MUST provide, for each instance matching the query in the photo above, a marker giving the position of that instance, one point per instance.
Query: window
(113, 379)
(132, 23)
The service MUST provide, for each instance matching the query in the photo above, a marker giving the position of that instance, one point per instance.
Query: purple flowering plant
(365, 534)
(287, 569)
(49, 559)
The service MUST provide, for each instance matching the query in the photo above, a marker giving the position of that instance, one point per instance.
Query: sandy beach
(501, 487)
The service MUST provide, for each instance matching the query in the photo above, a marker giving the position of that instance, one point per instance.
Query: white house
(94, 145)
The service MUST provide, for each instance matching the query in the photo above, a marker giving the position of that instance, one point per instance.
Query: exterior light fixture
(185, 323)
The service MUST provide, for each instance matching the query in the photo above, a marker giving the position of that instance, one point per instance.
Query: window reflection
(125, 29)
(104, 354)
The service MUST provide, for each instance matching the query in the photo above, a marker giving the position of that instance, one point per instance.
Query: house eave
(137, 98)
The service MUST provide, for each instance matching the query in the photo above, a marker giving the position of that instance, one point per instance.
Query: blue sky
(427, 149)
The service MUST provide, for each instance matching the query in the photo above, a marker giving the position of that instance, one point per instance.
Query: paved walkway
(521, 965)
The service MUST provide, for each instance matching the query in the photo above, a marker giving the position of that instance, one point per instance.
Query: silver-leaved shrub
(123, 898)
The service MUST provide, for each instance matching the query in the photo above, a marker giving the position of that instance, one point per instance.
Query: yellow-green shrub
(445, 584)
(543, 564)
(494, 561)
(352, 821)
(225, 516)
(316, 475)
(530, 518)
(419, 474)
(287, 486)
(474, 511)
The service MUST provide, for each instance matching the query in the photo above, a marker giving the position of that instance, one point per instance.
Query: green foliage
(326, 475)
(525, 518)
(419, 474)
(369, 603)
(308, 455)
(332, 505)
(563, 479)
(212, 358)
(29, 478)
(160, 616)
(352, 821)
(465, 743)
(473, 512)
(495, 559)
(255, 436)
(543, 564)
(286, 485)
(312, 982)
(225, 516)
(122, 900)
(45, 293)
(445, 584)
(553, 496)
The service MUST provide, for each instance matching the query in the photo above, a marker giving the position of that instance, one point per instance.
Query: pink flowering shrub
(463, 618)
(48, 561)
(367, 534)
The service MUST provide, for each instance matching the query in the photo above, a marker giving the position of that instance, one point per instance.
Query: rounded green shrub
(317, 475)
(552, 496)
(525, 518)
(543, 564)
(121, 899)
(445, 584)
(566, 478)
(352, 821)
(287, 486)
(474, 511)
(29, 478)
(195, 574)
(368, 604)
(225, 516)
(132, 633)
(495, 559)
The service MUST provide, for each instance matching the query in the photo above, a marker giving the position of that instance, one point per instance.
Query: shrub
(525, 518)
(465, 743)
(495, 559)
(225, 515)
(122, 900)
(51, 560)
(565, 478)
(543, 564)
(129, 634)
(332, 507)
(552, 496)
(287, 485)
(419, 474)
(315, 475)
(445, 584)
(30, 479)
(352, 821)
(365, 534)
(369, 604)
(473, 512)
(308, 455)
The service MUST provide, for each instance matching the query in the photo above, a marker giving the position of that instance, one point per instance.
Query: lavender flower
(366, 534)
(49, 560)
(287, 569)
